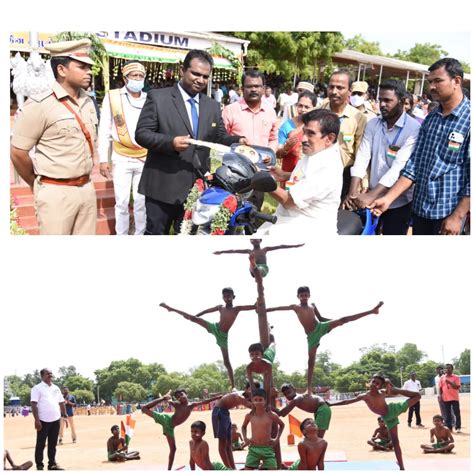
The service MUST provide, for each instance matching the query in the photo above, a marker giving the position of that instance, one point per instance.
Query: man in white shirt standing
(414, 385)
(311, 199)
(47, 404)
(386, 146)
(120, 112)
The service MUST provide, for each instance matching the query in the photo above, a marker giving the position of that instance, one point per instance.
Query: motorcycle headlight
(204, 213)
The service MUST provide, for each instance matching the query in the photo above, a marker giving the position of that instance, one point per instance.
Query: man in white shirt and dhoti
(120, 112)
(311, 199)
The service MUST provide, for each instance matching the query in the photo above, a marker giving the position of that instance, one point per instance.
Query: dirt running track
(350, 427)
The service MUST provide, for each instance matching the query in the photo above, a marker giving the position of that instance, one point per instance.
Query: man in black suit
(169, 118)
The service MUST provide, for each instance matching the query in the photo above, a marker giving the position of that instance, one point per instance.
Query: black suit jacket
(168, 175)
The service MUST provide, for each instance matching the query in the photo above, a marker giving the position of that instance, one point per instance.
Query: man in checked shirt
(440, 162)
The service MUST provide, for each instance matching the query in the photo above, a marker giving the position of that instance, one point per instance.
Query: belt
(80, 181)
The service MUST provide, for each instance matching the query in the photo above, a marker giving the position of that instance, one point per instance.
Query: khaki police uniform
(352, 129)
(64, 196)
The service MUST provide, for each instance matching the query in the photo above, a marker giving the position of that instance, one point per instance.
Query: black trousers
(395, 221)
(49, 431)
(414, 408)
(161, 216)
(454, 404)
(422, 226)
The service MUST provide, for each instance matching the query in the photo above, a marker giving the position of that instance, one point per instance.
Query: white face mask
(135, 86)
(356, 100)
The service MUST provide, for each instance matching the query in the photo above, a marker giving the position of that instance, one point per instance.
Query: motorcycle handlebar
(264, 217)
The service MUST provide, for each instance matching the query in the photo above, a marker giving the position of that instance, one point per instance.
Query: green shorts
(218, 466)
(221, 337)
(236, 445)
(394, 410)
(439, 445)
(263, 268)
(164, 419)
(295, 465)
(261, 453)
(318, 332)
(382, 442)
(270, 353)
(322, 416)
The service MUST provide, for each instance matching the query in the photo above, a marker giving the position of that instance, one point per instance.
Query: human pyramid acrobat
(264, 418)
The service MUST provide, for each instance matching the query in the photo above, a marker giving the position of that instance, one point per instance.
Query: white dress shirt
(132, 108)
(48, 398)
(413, 385)
(315, 187)
(373, 149)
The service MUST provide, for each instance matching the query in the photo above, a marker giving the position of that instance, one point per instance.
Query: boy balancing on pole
(182, 410)
(375, 400)
(220, 330)
(314, 329)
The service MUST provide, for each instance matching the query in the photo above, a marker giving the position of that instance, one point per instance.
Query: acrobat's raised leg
(187, 316)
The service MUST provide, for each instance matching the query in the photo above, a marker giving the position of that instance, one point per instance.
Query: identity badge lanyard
(393, 147)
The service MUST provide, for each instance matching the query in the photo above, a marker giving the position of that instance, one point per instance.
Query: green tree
(131, 370)
(462, 363)
(166, 382)
(83, 396)
(425, 372)
(129, 392)
(409, 354)
(288, 53)
(358, 43)
(422, 53)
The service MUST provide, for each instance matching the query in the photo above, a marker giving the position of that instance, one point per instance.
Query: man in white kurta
(311, 199)
(120, 112)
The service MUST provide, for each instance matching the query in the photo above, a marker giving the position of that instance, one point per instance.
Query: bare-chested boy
(259, 255)
(380, 440)
(261, 444)
(261, 363)
(220, 330)
(237, 439)
(222, 424)
(309, 403)
(316, 330)
(375, 400)
(199, 450)
(117, 449)
(444, 438)
(311, 450)
(182, 410)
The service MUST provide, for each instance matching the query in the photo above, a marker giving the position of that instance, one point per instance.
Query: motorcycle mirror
(263, 181)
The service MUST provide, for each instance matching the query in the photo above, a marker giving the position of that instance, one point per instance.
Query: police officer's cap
(77, 50)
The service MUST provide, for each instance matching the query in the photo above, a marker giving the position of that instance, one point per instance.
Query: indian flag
(126, 430)
(295, 426)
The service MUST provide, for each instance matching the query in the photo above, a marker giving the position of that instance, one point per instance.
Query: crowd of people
(404, 157)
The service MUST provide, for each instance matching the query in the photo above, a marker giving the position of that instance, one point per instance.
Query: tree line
(132, 381)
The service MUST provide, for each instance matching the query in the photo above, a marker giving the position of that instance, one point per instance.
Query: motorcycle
(219, 202)
(360, 222)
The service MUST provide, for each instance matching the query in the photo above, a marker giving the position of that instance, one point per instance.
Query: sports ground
(351, 427)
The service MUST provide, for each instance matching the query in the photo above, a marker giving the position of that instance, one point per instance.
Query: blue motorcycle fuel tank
(214, 196)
